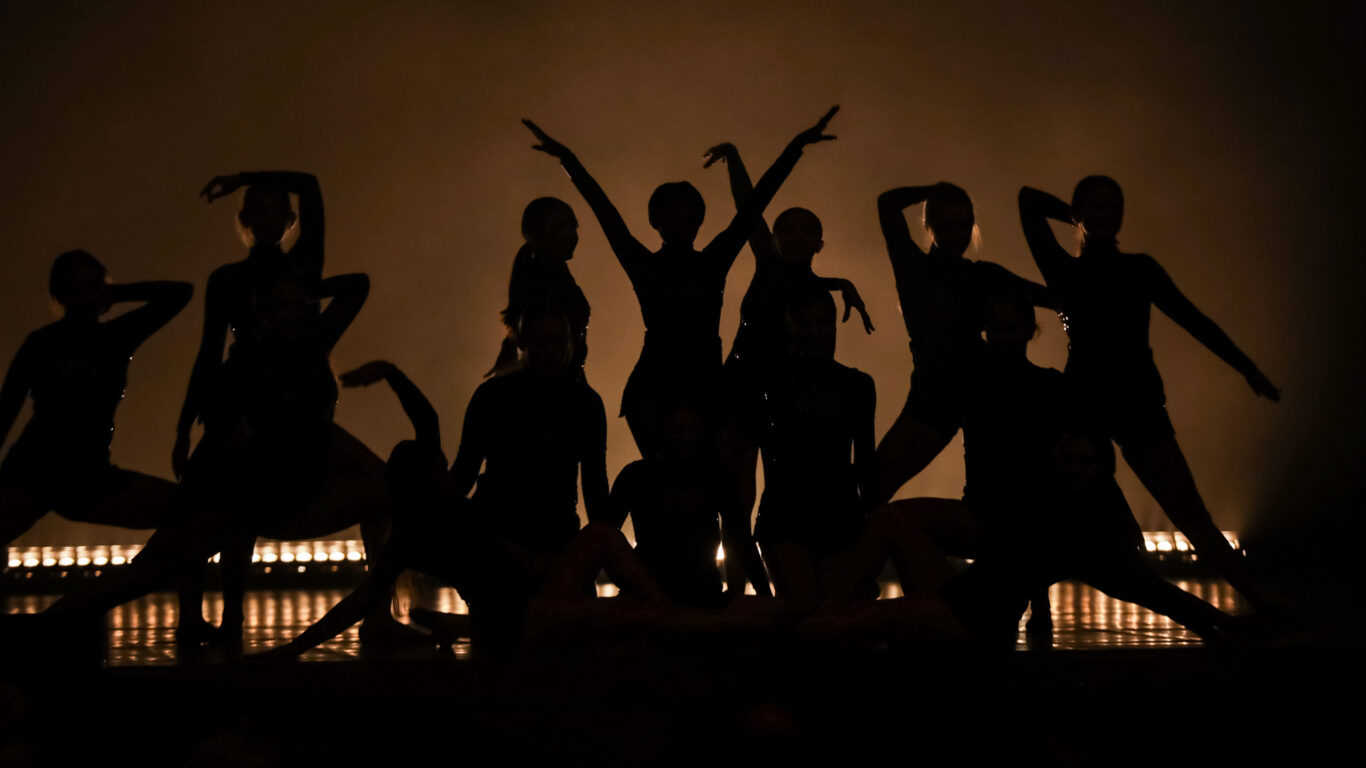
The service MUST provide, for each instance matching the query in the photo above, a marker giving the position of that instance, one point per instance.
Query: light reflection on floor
(142, 633)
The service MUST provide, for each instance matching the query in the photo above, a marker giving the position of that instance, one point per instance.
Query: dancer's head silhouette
(550, 228)
(267, 214)
(811, 320)
(414, 476)
(1098, 207)
(546, 342)
(684, 432)
(80, 284)
(676, 212)
(798, 233)
(1010, 326)
(949, 218)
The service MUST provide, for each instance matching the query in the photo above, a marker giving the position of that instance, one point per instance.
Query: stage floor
(142, 633)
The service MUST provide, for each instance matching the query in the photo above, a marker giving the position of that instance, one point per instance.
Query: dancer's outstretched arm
(1168, 298)
(164, 300)
(628, 250)
(726, 246)
(415, 405)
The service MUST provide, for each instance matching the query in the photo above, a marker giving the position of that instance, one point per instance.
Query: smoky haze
(1237, 135)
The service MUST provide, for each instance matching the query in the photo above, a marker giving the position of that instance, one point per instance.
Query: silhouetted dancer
(679, 288)
(277, 458)
(782, 269)
(541, 281)
(816, 413)
(231, 304)
(535, 431)
(1041, 505)
(76, 369)
(1105, 298)
(492, 548)
(944, 299)
(674, 500)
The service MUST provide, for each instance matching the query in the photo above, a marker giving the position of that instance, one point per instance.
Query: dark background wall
(1237, 134)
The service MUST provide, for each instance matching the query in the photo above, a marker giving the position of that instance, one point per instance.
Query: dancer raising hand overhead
(679, 287)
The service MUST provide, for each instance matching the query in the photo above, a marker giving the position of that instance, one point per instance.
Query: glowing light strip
(310, 552)
(353, 551)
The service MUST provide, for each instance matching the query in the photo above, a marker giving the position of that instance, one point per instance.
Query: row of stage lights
(267, 552)
(1161, 543)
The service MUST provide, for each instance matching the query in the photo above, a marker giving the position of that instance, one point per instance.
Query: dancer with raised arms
(680, 288)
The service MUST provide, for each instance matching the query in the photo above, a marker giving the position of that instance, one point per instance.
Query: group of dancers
(1040, 503)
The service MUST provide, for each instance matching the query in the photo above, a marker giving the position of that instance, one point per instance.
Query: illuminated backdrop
(1237, 134)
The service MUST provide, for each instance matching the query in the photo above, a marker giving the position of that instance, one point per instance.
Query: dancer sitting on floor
(816, 414)
(674, 500)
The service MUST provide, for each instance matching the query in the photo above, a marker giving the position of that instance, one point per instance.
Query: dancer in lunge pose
(1105, 297)
(541, 281)
(233, 304)
(273, 473)
(944, 298)
(1041, 505)
(76, 370)
(679, 288)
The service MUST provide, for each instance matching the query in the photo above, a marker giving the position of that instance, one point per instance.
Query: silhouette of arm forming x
(741, 189)
(726, 245)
